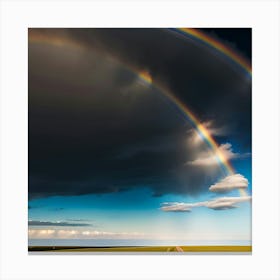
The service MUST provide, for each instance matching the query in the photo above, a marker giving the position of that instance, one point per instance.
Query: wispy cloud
(57, 224)
(222, 203)
(176, 207)
(78, 220)
(229, 183)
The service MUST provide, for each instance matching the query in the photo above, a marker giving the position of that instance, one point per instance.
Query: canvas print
(139, 140)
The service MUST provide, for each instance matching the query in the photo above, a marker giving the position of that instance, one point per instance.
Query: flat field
(142, 249)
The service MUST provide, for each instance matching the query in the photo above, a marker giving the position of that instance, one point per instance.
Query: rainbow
(186, 112)
(218, 46)
(200, 128)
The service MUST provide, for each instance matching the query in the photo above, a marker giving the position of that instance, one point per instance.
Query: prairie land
(131, 249)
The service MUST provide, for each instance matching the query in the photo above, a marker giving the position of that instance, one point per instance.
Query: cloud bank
(80, 234)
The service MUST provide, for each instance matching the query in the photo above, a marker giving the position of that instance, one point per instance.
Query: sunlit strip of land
(141, 249)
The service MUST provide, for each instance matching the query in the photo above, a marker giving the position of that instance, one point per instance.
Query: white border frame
(17, 16)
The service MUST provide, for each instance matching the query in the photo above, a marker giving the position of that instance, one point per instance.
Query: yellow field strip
(147, 249)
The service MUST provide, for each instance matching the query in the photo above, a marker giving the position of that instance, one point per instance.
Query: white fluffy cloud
(196, 139)
(209, 158)
(229, 183)
(221, 203)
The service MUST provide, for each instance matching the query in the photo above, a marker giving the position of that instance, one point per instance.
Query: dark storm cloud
(58, 224)
(197, 77)
(185, 65)
(238, 39)
(94, 128)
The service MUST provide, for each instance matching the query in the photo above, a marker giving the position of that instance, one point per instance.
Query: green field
(142, 249)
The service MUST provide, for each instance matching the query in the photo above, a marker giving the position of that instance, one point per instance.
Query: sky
(111, 154)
